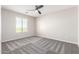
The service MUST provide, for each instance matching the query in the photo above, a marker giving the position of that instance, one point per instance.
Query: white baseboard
(15, 39)
(60, 40)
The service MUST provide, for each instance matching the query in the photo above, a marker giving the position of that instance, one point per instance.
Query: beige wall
(9, 26)
(61, 25)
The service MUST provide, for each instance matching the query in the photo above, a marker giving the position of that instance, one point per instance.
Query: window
(21, 24)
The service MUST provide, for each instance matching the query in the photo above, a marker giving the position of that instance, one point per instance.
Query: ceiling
(45, 10)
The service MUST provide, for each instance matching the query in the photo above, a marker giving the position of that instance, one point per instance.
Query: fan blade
(38, 6)
(39, 12)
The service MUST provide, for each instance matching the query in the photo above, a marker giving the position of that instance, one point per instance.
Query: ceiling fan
(37, 7)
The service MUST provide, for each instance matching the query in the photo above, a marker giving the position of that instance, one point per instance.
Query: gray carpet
(38, 45)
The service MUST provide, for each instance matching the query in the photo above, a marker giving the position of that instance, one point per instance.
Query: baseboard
(58, 40)
(43, 37)
(16, 39)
